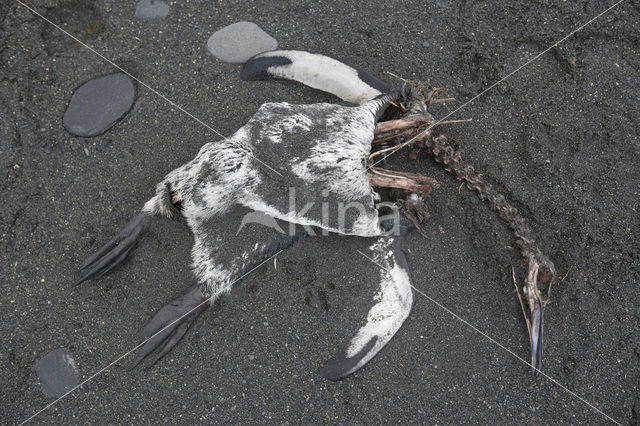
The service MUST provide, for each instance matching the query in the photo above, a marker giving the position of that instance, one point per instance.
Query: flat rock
(238, 42)
(57, 372)
(152, 9)
(99, 104)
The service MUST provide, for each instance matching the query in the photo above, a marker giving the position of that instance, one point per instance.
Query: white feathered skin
(349, 83)
(320, 151)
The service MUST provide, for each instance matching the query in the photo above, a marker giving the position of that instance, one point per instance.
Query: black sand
(560, 137)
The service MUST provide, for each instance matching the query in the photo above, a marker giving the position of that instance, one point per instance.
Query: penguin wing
(349, 83)
(393, 305)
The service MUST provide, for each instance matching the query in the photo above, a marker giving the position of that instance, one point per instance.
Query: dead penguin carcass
(324, 151)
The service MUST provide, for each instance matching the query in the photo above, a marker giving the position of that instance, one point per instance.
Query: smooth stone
(57, 373)
(238, 42)
(99, 104)
(152, 9)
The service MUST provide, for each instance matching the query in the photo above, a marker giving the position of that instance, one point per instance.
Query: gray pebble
(57, 372)
(152, 9)
(238, 42)
(99, 104)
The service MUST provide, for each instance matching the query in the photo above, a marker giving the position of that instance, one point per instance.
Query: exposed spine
(445, 152)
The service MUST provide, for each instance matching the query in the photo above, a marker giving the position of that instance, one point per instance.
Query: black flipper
(115, 251)
(394, 303)
(348, 82)
(170, 324)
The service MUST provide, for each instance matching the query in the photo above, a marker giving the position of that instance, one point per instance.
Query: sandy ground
(560, 138)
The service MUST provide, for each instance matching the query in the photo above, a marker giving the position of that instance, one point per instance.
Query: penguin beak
(536, 335)
(539, 278)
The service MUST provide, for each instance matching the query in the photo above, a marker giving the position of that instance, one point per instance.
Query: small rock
(238, 42)
(99, 104)
(57, 372)
(152, 9)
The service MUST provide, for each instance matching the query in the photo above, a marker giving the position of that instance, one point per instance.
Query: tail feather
(161, 204)
(349, 83)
